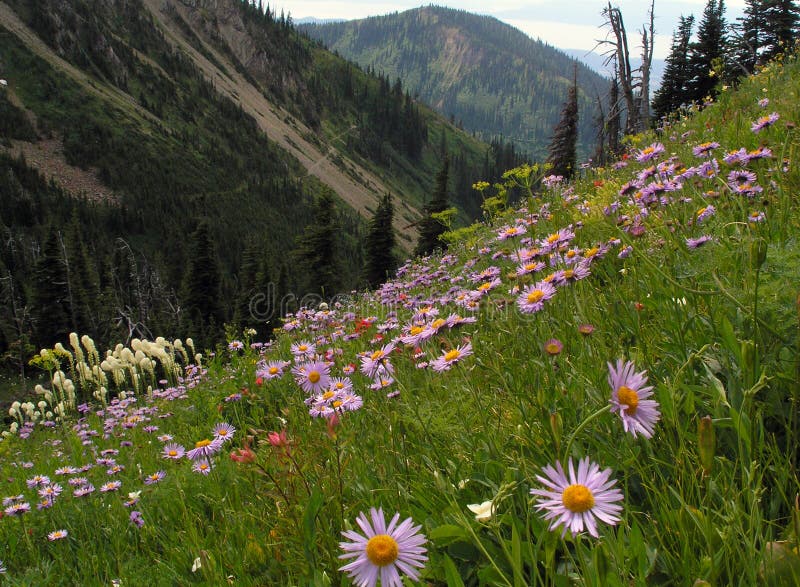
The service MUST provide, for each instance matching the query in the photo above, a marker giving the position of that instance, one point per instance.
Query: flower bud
(706, 443)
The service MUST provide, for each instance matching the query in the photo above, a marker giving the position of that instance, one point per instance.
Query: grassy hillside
(475, 69)
(643, 318)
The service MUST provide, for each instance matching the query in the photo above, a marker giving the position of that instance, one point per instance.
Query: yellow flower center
(628, 397)
(647, 150)
(569, 274)
(591, 252)
(314, 376)
(577, 498)
(202, 443)
(415, 330)
(273, 370)
(438, 323)
(302, 348)
(327, 395)
(552, 348)
(339, 385)
(700, 211)
(452, 355)
(376, 355)
(173, 453)
(552, 238)
(530, 266)
(337, 403)
(571, 253)
(382, 550)
(535, 296)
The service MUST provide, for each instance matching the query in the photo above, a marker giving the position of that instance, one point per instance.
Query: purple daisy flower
(444, 362)
(224, 431)
(203, 467)
(383, 552)
(630, 398)
(204, 449)
(694, 243)
(154, 477)
(578, 501)
(173, 451)
(271, 370)
(705, 213)
(18, 509)
(377, 361)
(650, 152)
(313, 377)
(57, 535)
(533, 297)
(764, 121)
(85, 490)
(704, 149)
(110, 486)
(136, 518)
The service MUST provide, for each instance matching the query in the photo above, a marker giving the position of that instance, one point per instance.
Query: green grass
(714, 328)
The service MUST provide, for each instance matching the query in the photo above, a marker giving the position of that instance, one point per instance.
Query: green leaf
(447, 534)
(451, 574)
(313, 507)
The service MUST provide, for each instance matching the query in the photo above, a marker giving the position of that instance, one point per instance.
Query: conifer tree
(317, 250)
(781, 19)
(201, 289)
(379, 244)
(248, 271)
(672, 92)
(51, 308)
(562, 152)
(707, 52)
(430, 228)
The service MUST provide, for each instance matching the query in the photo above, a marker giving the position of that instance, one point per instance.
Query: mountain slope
(171, 115)
(482, 72)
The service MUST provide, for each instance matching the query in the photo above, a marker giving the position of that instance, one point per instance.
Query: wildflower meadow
(598, 385)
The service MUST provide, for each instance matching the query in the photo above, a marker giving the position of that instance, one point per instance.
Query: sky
(571, 24)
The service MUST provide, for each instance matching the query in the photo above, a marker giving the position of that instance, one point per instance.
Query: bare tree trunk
(648, 34)
(624, 72)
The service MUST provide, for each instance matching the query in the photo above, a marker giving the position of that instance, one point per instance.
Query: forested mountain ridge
(207, 136)
(484, 73)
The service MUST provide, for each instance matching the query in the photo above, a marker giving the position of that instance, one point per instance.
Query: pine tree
(672, 92)
(707, 52)
(201, 289)
(248, 271)
(430, 228)
(379, 244)
(51, 308)
(317, 250)
(781, 19)
(748, 42)
(562, 152)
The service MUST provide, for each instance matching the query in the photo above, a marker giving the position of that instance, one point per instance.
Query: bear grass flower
(383, 551)
(630, 399)
(576, 501)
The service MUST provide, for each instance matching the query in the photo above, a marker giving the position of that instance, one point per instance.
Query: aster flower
(383, 552)
(650, 152)
(303, 349)
(313, 376)
(203, 467)
(378, 361)
(38, 481)
(110, 486)
(154, 477)
(452, 356)
(271, 370)
(553, 347)
(704, 148)
(756, 216)
(57, 535)
(694, 243)
(83, 491)
(533, 297)
(18, 509)
(136, 518)
(224, 431)
(764, 121)
(705, 213)
(173, 451)
(630, 399)
(204, 449)
(577, 501)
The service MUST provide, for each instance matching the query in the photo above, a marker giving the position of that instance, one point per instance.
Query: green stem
(582, 425)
